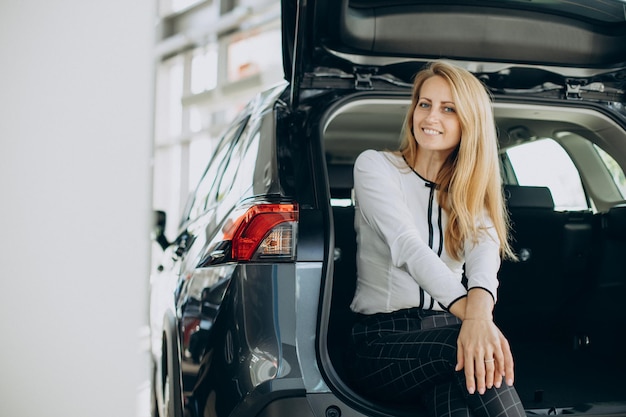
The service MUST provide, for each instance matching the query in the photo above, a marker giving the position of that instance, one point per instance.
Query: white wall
(76, 82)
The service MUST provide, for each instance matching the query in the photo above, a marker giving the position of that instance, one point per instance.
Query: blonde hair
(469, 181)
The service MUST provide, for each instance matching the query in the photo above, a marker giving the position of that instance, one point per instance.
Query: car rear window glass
(545, 163)
(206, 183)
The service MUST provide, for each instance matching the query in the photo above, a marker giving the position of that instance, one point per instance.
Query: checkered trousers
(409, 356)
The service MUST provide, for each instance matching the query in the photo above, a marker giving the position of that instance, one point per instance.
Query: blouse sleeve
(380, 200)
(482, 261)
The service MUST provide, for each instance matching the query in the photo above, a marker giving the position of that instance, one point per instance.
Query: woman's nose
(432, 115)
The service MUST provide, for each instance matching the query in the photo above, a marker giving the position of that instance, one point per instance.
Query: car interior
(560, 303)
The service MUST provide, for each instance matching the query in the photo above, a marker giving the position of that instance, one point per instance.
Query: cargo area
(560, 305)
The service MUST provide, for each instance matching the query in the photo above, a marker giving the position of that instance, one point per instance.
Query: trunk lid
(573, 49)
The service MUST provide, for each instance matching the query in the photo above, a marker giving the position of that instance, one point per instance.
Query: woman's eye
(449, 109)
(423, 105)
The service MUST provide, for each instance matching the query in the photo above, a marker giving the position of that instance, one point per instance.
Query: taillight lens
(266, 230)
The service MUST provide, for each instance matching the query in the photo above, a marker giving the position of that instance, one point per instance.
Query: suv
(249, 308)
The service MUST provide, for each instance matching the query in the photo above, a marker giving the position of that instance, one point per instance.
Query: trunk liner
(550, 375)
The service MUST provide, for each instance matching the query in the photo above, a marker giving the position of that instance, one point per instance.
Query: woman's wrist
(479, 305)
(458, 307)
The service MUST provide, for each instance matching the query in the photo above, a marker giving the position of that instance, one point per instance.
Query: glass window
(225, 174)
(252, 54)
(195, 119)
(204, 69)
(239, 174)
(545, 163)
(168, 100)
(208, 179)
(200, 117)
(220, 173)
(613, 167)
(230, 173)
(175, 95)
(200, 152)
(167, 173)
(246, 165)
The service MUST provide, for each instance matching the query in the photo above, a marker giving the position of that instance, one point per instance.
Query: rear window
(545, 163)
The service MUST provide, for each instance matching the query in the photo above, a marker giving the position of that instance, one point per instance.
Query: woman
(431, 230)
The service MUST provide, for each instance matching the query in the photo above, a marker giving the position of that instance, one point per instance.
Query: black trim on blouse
(431, 229)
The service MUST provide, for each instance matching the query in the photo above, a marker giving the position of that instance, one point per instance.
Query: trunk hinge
(575, 89)
(363, 81)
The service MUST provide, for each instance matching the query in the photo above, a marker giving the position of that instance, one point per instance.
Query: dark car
(250, 303)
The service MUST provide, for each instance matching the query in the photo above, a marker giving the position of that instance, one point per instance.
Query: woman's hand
(482, 350)
(485, 355)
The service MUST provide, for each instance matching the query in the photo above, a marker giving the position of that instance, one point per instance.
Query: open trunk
(560, 305)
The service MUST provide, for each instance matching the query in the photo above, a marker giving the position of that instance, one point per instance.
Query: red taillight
(263, 231)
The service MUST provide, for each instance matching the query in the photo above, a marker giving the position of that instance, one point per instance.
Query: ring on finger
(489, 360)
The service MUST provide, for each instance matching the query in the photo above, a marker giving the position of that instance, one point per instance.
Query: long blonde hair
(469, 181)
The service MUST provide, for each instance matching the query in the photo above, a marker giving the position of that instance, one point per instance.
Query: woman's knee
(503, 401)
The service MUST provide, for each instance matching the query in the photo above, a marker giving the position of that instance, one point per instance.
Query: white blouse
(401, 258)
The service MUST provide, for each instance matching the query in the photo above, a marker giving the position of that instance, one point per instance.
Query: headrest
(527, 196)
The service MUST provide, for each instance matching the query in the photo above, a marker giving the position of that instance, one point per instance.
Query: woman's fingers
(508, 366)
(480, 373)
(470, 374)
(490, 369)
(485, 372)
(460, 358)
(499, 367)
(485, 355)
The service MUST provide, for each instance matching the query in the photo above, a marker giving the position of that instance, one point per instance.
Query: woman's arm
(482, 350)
(482, 260)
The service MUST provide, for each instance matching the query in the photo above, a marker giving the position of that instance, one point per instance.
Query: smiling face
(436, 124)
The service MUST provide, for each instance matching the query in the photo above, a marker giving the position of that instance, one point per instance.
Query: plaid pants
(409, 356)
